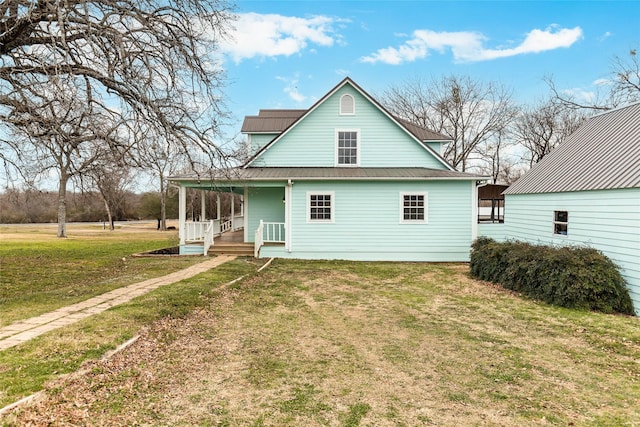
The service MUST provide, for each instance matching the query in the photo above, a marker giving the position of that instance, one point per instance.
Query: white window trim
(554, 222)
(353, 99)
(358, 148)
(333, 207)
(426, 207)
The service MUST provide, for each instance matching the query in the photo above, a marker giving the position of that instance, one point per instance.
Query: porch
(242, 231)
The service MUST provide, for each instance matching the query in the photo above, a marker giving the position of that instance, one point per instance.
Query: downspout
(287, 216)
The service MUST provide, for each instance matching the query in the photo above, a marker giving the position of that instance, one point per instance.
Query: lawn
(348, 344)
(40, 272)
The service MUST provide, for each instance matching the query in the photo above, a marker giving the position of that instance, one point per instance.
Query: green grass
(42, 274)
(337, 343)
(24, 369)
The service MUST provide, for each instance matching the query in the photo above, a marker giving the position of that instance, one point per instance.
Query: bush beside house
(573, 277)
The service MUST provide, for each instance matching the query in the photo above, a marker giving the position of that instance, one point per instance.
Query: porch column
(245, 199)
(287, 216)
(182, 213)
(218, 207)
(233, 212)
(203, 206)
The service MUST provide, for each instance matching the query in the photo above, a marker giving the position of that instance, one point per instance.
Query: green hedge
(574, 277)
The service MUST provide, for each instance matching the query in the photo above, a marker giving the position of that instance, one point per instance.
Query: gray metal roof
(271, 121)
(604, 153)
(276, 121)
(340, 173)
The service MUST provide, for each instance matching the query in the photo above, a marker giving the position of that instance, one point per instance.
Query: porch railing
(200, 231)
(194, 231)
(268, 232)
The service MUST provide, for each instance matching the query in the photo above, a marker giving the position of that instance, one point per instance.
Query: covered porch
(243, 229)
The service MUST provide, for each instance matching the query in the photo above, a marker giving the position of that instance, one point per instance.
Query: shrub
(573, 277)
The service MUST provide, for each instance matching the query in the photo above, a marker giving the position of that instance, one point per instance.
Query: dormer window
(347, 105)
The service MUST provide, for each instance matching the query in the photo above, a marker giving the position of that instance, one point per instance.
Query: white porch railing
(195, 231)
(268, 232)
(200, 231)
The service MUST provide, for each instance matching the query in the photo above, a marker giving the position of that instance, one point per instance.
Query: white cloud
(601, 82)
(258, 35)
(291, 88)
(468, 46)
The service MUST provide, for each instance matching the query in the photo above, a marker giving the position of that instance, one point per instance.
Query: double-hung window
(320, 207)
(347, 142)
(560, 222)
(413, 208)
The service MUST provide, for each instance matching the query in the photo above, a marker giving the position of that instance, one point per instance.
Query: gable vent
(347, 104)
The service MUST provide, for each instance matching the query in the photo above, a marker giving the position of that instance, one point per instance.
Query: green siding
(367, 223)
(311, 142)
(496, 231)
(608, 220)
(259, 140)
(264, 204)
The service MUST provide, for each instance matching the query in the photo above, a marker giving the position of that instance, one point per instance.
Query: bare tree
(468, 111)
(623, 87)
(54, 131)
(111, 179)
(163, 158)
(147, 61)
(542, 128)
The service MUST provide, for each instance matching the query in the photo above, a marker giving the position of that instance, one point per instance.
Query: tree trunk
(62, 204)
(163, 206)
(109, 215)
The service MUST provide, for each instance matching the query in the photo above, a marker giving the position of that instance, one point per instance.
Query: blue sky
(287, 54)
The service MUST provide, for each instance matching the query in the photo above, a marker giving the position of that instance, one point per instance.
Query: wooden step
(240, 249)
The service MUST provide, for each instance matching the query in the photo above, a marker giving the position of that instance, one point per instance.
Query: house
(586, 192)
(344, 179)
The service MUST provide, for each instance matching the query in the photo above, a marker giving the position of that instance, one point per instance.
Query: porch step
(240, 249)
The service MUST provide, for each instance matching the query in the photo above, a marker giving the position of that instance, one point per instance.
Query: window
(413, 207)
(560, 222)
(320, 207)
(347, 105)
(347, 148)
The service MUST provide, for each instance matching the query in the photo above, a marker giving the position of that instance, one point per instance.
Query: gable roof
(275, 121)
(346, 80)
(603, 153)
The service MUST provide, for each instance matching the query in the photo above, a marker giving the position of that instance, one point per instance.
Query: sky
(288, 54)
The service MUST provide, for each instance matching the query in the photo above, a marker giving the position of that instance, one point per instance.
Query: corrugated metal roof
(277, 121)
(300, 173)
(604, 153)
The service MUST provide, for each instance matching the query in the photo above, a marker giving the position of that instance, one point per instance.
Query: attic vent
(347, 105)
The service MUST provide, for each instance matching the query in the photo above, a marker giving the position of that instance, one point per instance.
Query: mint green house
(344, 179)
(586, 192)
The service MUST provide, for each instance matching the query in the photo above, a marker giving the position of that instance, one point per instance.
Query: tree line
(490, 132)
(97, 92)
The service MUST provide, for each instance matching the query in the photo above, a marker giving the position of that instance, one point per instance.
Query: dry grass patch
(375, 344)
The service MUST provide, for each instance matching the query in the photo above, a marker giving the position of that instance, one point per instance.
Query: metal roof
(604, 153)
(270, 121)
(276, 121)
(329, 173)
